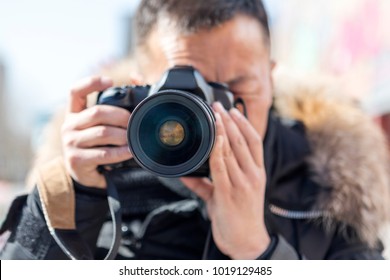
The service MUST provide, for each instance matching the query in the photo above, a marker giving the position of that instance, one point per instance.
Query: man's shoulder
(347, 162)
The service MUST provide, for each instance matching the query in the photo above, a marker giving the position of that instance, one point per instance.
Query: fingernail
(218, 107)
(220, 141)
(218, 118)
(106, 81)
(235, 113)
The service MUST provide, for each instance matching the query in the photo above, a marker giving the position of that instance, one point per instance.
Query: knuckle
(125, 114)
(256, 140)
(219, 169)
(228, 121)
(93, 80)
(76, 89)
(69, 123)
(64, 128)
(68, 141)
(239, 141)
(123, 117)
(228, 153)
(105, 154)
(257, 177)
(216, 164)
(73, 159)
(95, 112)
(90, 81)
(67, 138)
(103, 132)
(74, 92)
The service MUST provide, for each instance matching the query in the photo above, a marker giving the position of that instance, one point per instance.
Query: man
(273, 192)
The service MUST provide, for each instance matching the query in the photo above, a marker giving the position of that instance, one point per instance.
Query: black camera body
(171, 131)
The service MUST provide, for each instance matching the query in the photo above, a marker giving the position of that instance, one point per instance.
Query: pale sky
(48, 45)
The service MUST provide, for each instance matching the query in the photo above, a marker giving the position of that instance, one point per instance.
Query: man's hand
(87, 132)
(235, 197)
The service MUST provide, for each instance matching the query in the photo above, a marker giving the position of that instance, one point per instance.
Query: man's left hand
(235, 196)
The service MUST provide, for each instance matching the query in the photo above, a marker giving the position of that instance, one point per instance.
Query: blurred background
(45, 46)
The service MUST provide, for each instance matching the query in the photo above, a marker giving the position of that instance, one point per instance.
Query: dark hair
(193, 15)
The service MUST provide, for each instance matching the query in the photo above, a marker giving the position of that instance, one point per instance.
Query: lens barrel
(171, 133)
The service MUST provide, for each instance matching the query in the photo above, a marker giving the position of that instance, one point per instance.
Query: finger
(234, 171)
(221, 132)
(218, 169)
(79, 93)
(96, 136)
(108, 155)
(99, 156)
(237, 141)
(253, 139)
(136, 79)
(99, 115)
(202, 187)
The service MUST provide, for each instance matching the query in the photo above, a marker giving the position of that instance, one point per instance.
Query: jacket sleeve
(29, 234)
(342, 247)
(345, 245)
(314, 241)
(279, 249)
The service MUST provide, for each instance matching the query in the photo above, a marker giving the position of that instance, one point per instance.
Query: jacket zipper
(291, 214)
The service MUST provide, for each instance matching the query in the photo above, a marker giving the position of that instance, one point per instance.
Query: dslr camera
(172, 128)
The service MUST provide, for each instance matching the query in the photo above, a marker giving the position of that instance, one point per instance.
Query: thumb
(79, 93)
(136, 79)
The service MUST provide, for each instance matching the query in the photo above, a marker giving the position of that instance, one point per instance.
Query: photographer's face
(233, 53)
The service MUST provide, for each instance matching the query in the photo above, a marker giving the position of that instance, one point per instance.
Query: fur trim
(350, 157)
(49, 149)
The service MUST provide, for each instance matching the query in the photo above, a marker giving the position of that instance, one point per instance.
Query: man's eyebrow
(237, 80)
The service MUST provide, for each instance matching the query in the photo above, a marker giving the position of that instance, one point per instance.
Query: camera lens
(171, 133)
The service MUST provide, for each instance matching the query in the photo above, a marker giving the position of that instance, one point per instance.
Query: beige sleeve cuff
(57, 195)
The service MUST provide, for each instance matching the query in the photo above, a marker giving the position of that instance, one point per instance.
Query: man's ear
(272, 67)
(378, 121)
(273, 64)
(383, 122)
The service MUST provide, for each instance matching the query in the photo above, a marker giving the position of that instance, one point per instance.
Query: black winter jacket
(163, 220)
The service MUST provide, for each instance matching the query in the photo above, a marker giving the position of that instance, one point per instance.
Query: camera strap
(116, 216)
(75, 247)
(57, 199)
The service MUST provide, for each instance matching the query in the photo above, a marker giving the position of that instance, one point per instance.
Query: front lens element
(171, 133)
(170, 148)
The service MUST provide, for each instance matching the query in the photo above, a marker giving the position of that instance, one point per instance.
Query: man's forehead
(241, 30)
(223, 54)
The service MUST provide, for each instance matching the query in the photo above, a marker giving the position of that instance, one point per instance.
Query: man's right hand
(88, 132)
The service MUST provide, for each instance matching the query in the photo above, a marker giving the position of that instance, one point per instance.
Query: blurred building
(347, 40)
(15, 151)
(2, 113)
(3, 144)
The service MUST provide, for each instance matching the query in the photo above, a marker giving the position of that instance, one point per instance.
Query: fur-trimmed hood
(349, 155)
